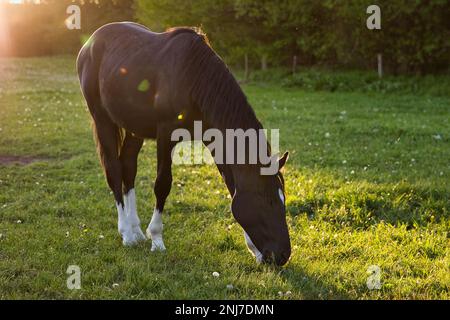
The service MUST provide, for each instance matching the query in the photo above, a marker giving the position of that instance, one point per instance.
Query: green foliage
(413, 39)
(317, 79)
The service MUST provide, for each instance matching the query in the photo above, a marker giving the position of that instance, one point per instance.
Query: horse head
(259, 207)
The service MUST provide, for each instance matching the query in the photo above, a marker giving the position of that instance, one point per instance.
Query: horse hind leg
(128, 159)
(109, 144)
(108, 136)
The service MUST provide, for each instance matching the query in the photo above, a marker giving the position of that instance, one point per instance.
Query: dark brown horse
(139, 84)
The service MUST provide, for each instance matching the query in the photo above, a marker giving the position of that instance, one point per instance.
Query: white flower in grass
(216, 274)
(115, 285)
(101, 236)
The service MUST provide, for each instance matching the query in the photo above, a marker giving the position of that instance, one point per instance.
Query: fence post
(380, 65)
(294, 65)
(264, 62)
(246, 67)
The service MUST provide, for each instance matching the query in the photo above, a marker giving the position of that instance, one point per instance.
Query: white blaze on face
(129, 223)
(155, 231)
(252, 248)
(280, 193)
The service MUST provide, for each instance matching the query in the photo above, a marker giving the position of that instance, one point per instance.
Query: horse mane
(213, 88)
(174, 31)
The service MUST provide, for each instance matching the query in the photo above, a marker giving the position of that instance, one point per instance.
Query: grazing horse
(143, 85)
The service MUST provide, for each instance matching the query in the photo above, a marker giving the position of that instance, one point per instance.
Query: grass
(367, 184)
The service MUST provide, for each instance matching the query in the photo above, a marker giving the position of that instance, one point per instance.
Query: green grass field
(367, 184)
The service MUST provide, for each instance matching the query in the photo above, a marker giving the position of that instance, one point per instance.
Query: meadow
(367, 184)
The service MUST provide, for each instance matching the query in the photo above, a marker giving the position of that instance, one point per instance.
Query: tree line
(414, 35)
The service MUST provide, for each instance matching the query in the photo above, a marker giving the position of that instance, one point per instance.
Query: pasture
(367, 183)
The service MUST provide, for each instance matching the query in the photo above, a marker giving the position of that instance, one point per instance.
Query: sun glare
(20, 1)
(4, 33)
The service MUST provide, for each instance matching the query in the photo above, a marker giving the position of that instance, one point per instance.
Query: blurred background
(253, 34)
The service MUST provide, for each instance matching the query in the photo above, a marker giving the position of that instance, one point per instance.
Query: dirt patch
(23, 160)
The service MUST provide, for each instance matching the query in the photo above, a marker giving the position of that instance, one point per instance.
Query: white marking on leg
(252, 248)
(129, 223)
(155, 231)
(280, 193)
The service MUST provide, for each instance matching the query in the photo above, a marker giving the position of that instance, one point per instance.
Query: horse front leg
(129, 223)
(162, 187)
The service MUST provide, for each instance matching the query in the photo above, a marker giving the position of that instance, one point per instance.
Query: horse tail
(116, 138)
(108, 136)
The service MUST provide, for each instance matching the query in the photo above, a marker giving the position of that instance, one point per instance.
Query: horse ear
(283, 160)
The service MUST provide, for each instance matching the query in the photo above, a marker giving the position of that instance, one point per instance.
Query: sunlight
(5, 43)
(8, 14)
(20, 1)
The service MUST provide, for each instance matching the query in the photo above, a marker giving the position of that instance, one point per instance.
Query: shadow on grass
(311, 287)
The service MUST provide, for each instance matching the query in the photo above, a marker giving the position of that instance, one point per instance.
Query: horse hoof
(158, 245)
(133, 237)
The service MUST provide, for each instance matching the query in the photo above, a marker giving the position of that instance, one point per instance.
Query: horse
(140, 84)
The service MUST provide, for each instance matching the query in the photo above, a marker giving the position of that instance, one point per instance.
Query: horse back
(134, 75)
